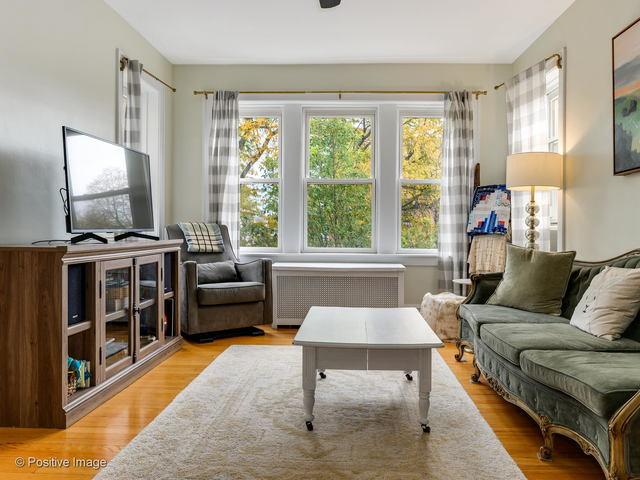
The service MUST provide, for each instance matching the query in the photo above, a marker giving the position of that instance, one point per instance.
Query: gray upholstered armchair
(211, 310)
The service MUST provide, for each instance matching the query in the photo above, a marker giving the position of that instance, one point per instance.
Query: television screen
(108, 185)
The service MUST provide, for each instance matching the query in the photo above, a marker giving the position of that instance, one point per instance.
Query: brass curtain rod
(558, 64)
(123, 63)
(206, 93)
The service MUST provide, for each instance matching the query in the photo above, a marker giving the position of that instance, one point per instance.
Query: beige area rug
(242, 418)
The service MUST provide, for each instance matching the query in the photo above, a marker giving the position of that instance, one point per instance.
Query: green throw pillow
(534, 281)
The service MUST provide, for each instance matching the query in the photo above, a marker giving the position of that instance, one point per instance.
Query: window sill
(407, 259)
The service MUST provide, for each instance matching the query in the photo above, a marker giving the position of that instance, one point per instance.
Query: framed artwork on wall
(626, 100)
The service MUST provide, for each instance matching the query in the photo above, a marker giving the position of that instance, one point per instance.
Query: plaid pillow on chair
(202, 237)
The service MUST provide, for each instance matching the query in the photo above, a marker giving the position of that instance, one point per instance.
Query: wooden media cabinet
(115, 306)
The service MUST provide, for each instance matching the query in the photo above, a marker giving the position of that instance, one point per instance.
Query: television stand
(123, 236)
(88, 236)
(94, 302)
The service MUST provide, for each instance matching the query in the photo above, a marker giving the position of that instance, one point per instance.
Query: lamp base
(531, 234)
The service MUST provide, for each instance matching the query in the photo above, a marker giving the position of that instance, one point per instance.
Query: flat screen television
(108, 185)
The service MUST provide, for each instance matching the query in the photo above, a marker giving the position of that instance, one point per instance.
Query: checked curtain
(222, 164)
(457, 188)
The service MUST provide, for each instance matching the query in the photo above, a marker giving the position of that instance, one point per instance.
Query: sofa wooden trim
(617, 468)
(586, 263)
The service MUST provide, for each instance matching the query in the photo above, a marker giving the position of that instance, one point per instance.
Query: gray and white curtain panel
(456, 188)
(527, 128)
(132, 137)
(222, 163)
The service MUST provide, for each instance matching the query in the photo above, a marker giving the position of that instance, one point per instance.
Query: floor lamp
(531, 171)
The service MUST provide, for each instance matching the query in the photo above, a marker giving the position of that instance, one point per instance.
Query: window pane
(339, 216)
(421, 147)
(259, 215)
(554, 112)
(420, 211)
(259, 147)
(340, 147)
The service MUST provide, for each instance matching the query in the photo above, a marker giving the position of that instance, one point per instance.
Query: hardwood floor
(106, 430)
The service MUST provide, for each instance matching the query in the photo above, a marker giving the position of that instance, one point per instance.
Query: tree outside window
(339, 182)
(259, 142)
(421, 169)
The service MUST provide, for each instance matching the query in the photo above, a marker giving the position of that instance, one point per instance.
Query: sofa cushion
(602, 381)
(510, 340)
(230, 292)
(477, 315)
(533, 280)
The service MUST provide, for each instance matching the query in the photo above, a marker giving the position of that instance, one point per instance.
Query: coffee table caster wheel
(309, 426)
(426, 428)
(323, 375)
(408, 376)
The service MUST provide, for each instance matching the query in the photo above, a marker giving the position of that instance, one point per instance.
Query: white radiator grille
(297, 293)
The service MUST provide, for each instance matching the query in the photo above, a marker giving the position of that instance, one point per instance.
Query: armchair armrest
(482, 287)
(259, 271)
(256, 271)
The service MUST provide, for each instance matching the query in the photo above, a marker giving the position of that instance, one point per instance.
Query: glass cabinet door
(148, 307)
(170, 325)
(117, 326)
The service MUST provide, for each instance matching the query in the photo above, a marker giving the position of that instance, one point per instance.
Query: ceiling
(358, 31)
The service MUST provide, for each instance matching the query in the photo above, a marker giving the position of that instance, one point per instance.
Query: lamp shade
(542, 170)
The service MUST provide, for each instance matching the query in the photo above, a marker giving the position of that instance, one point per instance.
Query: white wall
(57, 67)
(188, 108)
(601, 215)
(187, 201)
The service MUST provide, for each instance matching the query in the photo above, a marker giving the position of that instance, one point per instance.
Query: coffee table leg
(308, 383)
(424, 388)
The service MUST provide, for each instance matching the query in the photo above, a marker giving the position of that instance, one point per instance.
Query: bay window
(328, 179)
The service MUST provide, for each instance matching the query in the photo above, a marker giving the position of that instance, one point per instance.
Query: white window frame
(253, 111)
(553, 135)
(433, 111)
(293, 164)
(307, 180)
(556, 91)
(553, 122)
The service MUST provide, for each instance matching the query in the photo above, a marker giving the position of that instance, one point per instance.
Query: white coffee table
(342, 338)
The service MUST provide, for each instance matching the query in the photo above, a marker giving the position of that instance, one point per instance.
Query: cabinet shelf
(78, 328)
(110, 317)
(168, 295)
(147, 303)
(75, 396)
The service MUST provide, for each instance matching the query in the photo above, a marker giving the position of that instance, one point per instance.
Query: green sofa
(570, 382)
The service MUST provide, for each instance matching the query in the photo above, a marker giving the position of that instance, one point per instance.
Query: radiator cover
(298, 287)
